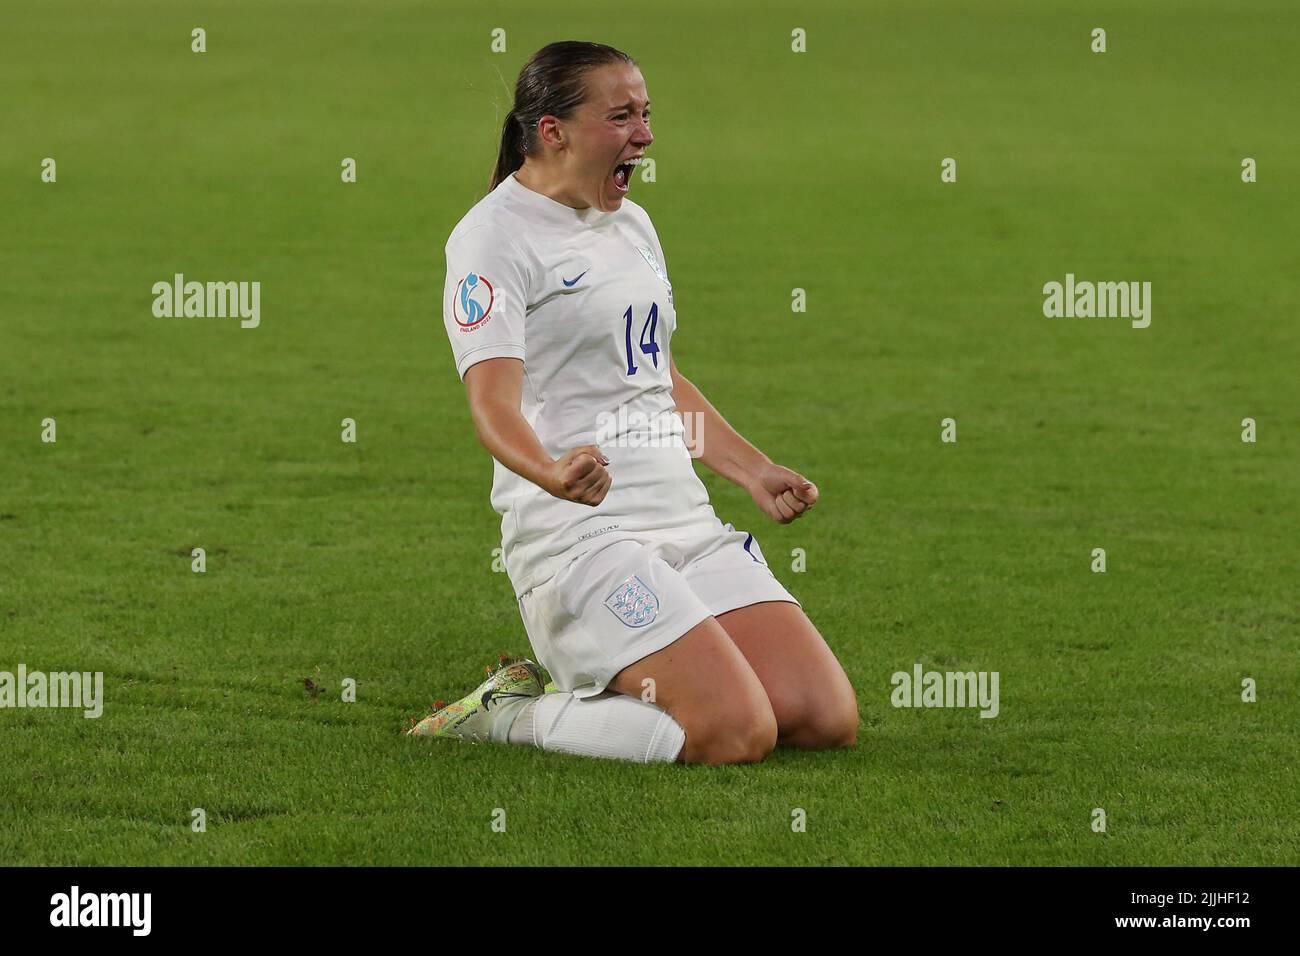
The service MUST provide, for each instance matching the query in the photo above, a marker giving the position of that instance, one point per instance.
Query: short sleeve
(485, 297)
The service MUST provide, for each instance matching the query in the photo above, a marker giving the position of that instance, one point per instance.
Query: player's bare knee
(822, 725)
(839, 724)
(839, 729)
(744, 735)
(756, 737)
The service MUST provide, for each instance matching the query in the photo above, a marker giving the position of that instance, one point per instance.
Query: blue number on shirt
(652, 347)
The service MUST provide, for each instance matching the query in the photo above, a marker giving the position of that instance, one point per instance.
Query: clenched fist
(782, 494)
(580, 475)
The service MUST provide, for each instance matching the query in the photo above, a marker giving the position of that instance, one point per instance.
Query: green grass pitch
(776, 170)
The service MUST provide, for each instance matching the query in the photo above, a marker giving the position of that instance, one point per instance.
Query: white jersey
(582, 297)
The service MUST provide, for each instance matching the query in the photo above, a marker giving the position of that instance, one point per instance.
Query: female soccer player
(666, 635)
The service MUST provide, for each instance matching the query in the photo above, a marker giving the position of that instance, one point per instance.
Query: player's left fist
(781, 493)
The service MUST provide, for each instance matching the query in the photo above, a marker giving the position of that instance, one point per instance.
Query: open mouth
(622, 174)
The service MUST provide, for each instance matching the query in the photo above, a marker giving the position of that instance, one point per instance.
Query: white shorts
(614, 605)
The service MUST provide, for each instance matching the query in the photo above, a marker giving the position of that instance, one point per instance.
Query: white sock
(507, 717)
(616, 726)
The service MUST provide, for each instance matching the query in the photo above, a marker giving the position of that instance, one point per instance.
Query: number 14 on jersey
(650, 348)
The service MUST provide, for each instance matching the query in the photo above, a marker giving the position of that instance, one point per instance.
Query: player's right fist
(580, 475)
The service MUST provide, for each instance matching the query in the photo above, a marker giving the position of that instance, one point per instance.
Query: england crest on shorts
(633, 603)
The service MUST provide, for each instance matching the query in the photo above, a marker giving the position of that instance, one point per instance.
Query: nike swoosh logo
(572, 282)
(489, 696)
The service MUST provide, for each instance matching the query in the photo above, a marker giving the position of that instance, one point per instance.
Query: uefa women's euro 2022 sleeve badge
(649, 256)
(472, 303)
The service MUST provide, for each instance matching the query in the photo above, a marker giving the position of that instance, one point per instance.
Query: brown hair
(552, 82)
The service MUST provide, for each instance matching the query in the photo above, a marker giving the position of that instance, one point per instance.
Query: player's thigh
(810, 694)
(704, 681)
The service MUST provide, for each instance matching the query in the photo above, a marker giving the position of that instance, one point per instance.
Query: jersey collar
(556, 211)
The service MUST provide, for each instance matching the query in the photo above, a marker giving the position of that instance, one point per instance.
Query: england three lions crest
(633, 603)
(649, 256)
